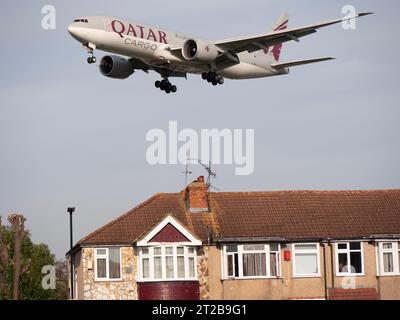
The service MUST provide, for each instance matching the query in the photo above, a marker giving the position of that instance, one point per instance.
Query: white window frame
(395, 250)
(163, 247)
(348, 250)
(240, 252)
(312, 251)
(106, 256)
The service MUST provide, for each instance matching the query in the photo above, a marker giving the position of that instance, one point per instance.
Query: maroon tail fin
(280, 25)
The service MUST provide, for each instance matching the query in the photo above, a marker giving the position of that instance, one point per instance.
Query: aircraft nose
(71, 30)
(78, 33)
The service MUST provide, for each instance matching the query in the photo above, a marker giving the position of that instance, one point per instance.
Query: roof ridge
(310, 191)
(142, 204)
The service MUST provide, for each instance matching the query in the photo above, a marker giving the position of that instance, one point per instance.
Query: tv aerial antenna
(187, 172)
(210, 173)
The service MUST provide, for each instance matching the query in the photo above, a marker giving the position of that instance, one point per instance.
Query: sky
(71, 137)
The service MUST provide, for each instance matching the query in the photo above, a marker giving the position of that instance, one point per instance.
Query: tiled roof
(291, 215)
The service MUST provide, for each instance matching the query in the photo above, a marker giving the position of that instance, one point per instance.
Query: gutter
(250, 239)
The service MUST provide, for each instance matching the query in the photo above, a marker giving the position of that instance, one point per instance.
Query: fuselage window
(81, 20)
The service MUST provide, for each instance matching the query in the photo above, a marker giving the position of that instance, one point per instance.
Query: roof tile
(293, 215)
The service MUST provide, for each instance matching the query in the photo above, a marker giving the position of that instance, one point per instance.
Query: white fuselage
(151, 45)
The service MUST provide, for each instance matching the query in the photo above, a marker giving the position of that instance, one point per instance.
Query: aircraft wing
(299, 62)
(141, 65)
(255, 43)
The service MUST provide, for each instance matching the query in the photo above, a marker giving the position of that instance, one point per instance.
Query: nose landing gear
(166, 86)
(213, 78)
(92, 58)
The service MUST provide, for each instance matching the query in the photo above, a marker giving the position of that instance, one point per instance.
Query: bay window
(167, 263)
(251, 261)
(306, 261)
(389, 258)
(107, 264)
(349, 258)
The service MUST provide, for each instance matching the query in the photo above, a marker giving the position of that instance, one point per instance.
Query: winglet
(362, 14)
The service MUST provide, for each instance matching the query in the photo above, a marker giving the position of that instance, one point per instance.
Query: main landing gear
(213, 78)
(165, 85)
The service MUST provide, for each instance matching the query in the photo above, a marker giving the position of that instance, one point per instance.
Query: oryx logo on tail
(280, 25)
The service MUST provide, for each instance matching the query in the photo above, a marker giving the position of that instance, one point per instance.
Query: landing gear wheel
(163, 85)
(213, 77)
(166, 86)
(91, 60)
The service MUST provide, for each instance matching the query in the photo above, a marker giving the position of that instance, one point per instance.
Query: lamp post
(71, 210)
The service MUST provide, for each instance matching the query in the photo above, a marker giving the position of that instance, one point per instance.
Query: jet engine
(195, 50)
(116, 67)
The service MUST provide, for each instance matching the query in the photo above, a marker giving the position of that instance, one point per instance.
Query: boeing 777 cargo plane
(172, 54)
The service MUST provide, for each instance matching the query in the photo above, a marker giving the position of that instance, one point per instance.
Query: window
(389, 258)
(232, 258)
(81, 20)
(306, 260)
(254, 261)
(251, 261)
(349, 258)
(108, 264)
(167, 263)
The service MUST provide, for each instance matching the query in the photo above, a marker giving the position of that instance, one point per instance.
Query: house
(198, 244)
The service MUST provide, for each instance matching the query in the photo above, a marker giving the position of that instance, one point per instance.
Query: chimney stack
(196, 196)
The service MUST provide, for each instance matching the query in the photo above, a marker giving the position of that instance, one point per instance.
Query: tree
(4, 262)
(17, 222)
(33, 257)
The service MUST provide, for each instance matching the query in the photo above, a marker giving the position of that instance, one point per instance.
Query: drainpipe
(332, 268)
(325, 275)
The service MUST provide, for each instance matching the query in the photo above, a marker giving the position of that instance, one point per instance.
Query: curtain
(306, 263)
(157, 268)
(146, 267)
(169, 266)
(114, 263)
(273, 264)
(181, 266)
(388, 262)
(191, 267)
(101, 268)
(254, 264)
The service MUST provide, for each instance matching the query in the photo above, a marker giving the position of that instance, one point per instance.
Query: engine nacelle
(195, 50)
(116, 67)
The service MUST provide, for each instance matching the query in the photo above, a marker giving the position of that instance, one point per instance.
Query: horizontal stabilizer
(299, 62)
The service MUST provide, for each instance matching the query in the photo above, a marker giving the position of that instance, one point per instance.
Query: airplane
(171, 54)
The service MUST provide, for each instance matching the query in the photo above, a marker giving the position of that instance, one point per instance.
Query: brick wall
(353, 294)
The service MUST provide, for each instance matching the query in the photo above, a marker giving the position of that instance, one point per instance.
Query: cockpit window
(81, 20)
